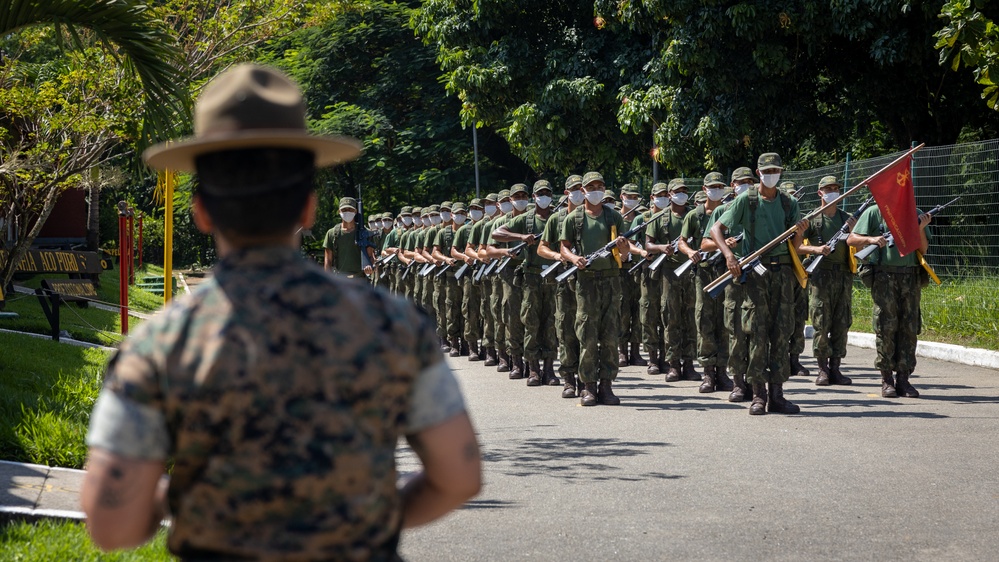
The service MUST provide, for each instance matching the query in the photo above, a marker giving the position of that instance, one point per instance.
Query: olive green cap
(434, 209)
(714, 179)
(518, 188)
(769, 160)
(700, 196)
(542, 185)
(590, 177)
(641, 209)
(659, 188)
(458, 207)
(609, 195)
(504, 194)
(829, 180)
(491, 198)
(407, 210)
(788, 187)
(743, 173)
(573, 181)
(348, 202)
(630, 189)
(677, 183)
(418, 211)
(387, 215)
(446, 205)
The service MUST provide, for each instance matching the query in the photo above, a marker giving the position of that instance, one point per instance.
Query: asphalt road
(672, 474)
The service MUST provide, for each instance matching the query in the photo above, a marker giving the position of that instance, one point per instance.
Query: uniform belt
(896, 268)
(533, 269)
(833, 266)
(776, 260)
(613, 272)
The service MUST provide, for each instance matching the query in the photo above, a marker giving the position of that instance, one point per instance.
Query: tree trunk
(93, 217)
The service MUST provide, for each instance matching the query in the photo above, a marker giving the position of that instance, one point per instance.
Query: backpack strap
(754, 203)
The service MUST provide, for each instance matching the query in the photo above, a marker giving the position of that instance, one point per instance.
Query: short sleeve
(436, 398)
(733, 215)
(567, 232)
(328, 241)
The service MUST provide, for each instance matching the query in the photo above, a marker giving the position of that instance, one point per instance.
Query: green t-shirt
(499, 221)
(771, 221)
(391, 240)
(665, 229)
(444, 239)
(460, 240)
(529, 223)
(732, 232)
(553, 228)
(595, 235)
(693, 226)
(821, 229)
(871, 223)
(346, 253)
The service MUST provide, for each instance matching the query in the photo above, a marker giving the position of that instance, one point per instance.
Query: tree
(971, 38)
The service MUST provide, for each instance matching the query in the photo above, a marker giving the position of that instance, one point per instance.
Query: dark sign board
(58, 261)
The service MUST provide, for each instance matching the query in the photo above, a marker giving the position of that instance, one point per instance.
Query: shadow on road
(570, 458)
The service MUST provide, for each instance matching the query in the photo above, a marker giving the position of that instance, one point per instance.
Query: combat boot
(548, 373)
(835, 375)
(445, 348)
(759, 405)
(491, 359)
(569, 390)
(534, 370)
(739, 389)
(903, 388)
(673, 374)
(689, 372)
(887, 385)
(605, 395)
(455, 348)
(722, 382)
(588, 397)
(708, 384)
(778, 404)
(474, 354)
(823, 378)
(504, 362)
(622, 355)
(797, 369)
(653, 362)
(517, 368)
(465, 349)
(636, 357)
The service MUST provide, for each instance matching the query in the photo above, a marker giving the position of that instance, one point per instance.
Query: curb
(29, 515)
(942, 351)
(65, 340)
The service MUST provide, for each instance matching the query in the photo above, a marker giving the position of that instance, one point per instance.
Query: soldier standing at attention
(447, 284)
(830, 287)
(489, 327)
(279, 411)
(471, 298)
(406, 256)
(631, 325)
(565, 293)
(598, 289)
(765, 215)
(340, 249)
(896, 289)
(511, 281)
(709, 313)
(678, 292)
(651, 312)
(537, 304)
(797, 344)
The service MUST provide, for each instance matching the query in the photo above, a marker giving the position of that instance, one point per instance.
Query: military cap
(418, 211)
(491, 198)
(729, 190)
(458, 207)
(659, 188)
(387, 215)
(827, 181)
(590, 177)
(677, 183)
(407, 210)
(348, 202)
(743, 173)
(475, 203)
(641, 209)
(769, 160)
(504, 194)
(433, 209)
(714, 178)
(446, 205)
(700, 197)
(789, 187)
(573, 181)
(542, 185)
(518, 188)
(609, 195)
(630, 189)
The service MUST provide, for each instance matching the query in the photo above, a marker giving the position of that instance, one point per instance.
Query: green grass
(46, 541)
(47, 390)
(962, 311)
(85, 324)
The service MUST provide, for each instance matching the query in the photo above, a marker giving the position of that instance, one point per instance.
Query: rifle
(662, 257)
(686, 265)
(867, 251)
(362, 236)
(635, 267)
(753, 260)
(461, 271)
(427, 269)
(520, 246)
(606, 249)
(813, 261)
(550, 268)
(409, 266)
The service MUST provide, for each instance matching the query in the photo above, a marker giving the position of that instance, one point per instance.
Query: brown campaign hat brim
(181, 155)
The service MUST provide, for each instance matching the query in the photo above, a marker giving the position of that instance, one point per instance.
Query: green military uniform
(449, 287)
(479, 233)
(797, 343)
(512, 295)
(439, 290)
(565, 302)
(471, 295)
(496, 304)
(650, 309)
(346, 255)
(631, 325)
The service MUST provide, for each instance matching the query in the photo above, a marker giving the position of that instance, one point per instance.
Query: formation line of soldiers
(490, 271)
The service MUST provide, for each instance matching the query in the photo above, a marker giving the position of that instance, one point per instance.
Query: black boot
(653, 362)
(569, 390)
(673, 374)
(588, 397)
(797, 369)
(465, 349)
(622, 355)
(824, 374)
(759, 405)
(835, 376)
(455, 347)
(474, 354)
(902, 386)
(636, 357)
(605, 395)
(689, 372)
(887, 385)
(708, 384)
(445, 348)
(739, 389)
(548, 373)
(778, 404)
(534, 370)
(722, 382)
(517, 368)
(504, 362)
(491, 360)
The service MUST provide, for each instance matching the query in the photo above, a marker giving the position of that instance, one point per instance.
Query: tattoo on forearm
(119, 488)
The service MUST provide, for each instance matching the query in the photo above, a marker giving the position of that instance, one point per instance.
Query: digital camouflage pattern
(897, 319)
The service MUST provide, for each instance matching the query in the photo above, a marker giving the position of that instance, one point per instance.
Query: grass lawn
(49, 540)
(47, 390)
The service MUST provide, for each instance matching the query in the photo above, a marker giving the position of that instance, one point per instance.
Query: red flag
(892, 190)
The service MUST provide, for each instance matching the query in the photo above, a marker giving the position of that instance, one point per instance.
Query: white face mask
(347, 216)
(459, 219)
(445, 216)
(679, 199)
(520, 204)
(770, 180)
(629, 203)
(435, 220)
(661, 202)
(830, 197)
(594, 197)
(716, 193)
(386, 224)
(475, 214)
(576, 197)
(425, 221)
(506, 207)
(543, 201)
(490, 210)
(741, 188)
(407, 221)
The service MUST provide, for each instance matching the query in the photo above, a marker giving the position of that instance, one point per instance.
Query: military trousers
(631, 322)
(650, 310)
(440, 303)
(537, 313)
(485, 286)
(598, 316)
(496, 309)
(565, 327)
(453, 301)
(471, 308)
(738, 340)
(797, 343)
(831, 302)
(768, 318)
(709, 315)
(513, 299)
(678, 301)
(897, 318)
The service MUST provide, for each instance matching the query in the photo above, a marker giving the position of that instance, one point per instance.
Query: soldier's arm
(547, 253)
(327, 259)
(123, 499)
